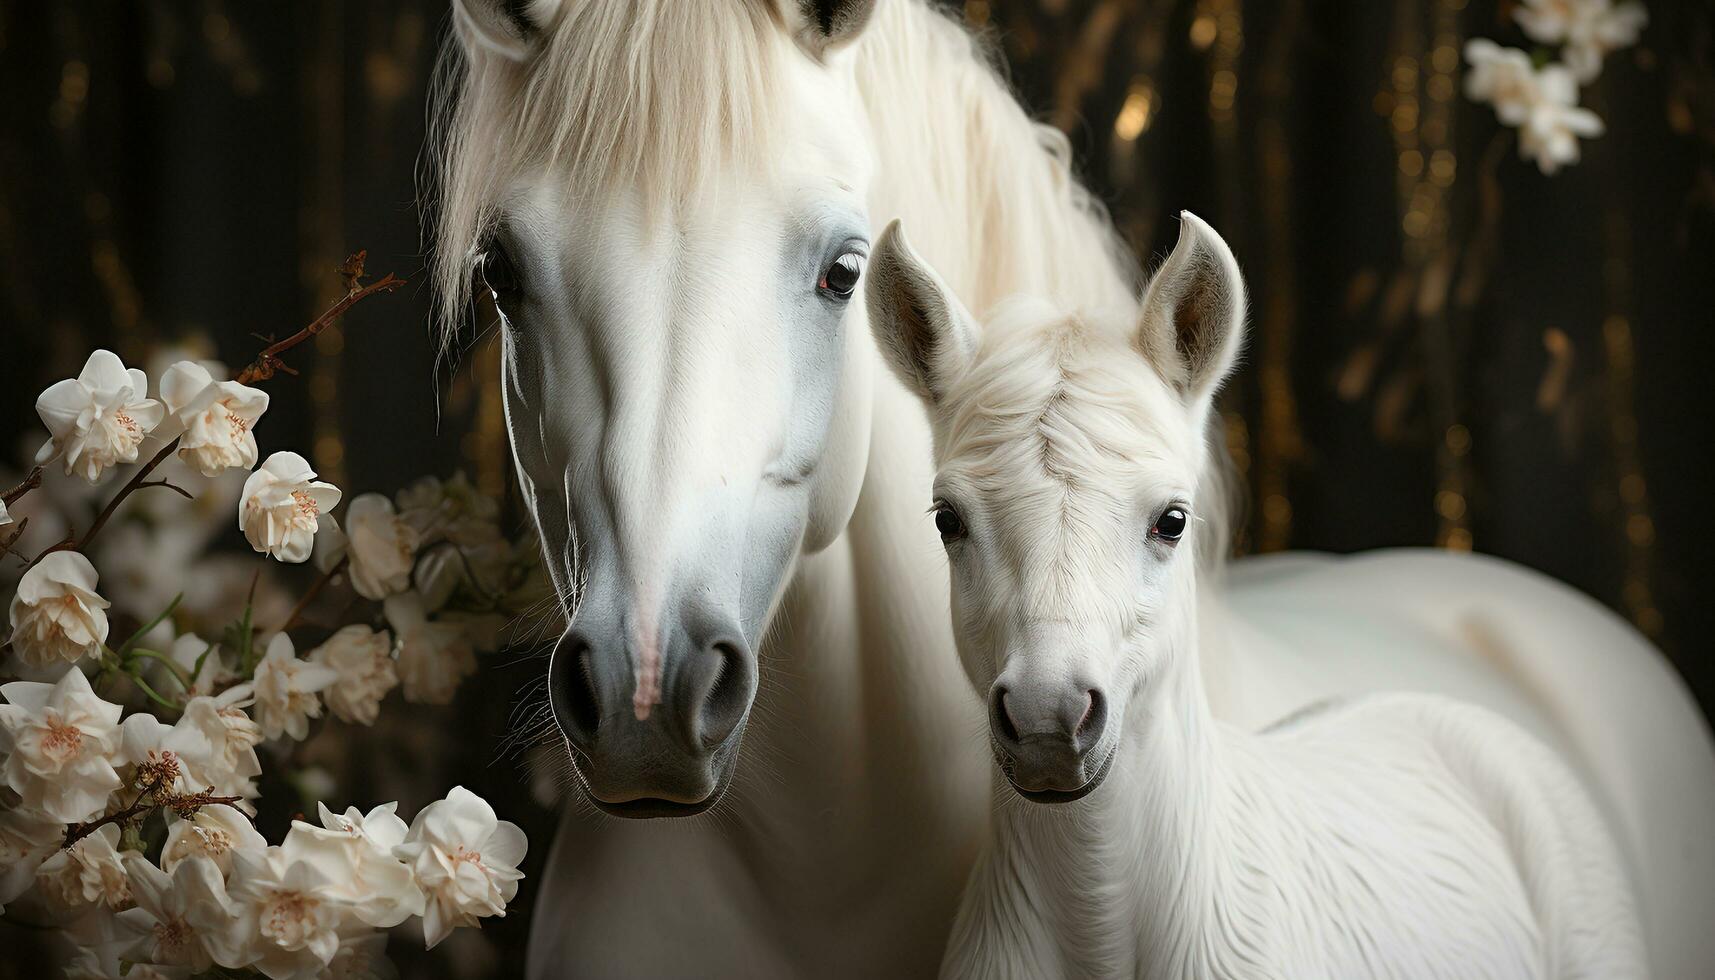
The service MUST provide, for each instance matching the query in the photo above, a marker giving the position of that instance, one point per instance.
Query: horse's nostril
(1000, 720)
(1095, 719)
(582, 718)
(728, 697)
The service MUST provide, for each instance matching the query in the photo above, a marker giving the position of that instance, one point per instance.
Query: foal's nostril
(728, 698)
(1094, 721)
(1000, 720)
(582, 717)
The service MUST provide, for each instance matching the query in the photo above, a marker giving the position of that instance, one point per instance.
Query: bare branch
(31, 482)
(268, 363)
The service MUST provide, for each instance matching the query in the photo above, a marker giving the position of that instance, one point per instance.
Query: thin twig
(268, 362)
(78, 831)
(82, 544)
(310, 594)
(181, 491)
(184, 804)
(12, 539)
(31, 482)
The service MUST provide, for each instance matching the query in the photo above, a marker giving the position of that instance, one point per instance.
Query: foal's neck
(1125, 882)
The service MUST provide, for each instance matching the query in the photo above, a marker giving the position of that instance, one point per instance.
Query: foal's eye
(1171, 524)
(840, 278)
(498, 274)
(948, 522)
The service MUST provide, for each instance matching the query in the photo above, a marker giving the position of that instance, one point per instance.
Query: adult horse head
(673, 242)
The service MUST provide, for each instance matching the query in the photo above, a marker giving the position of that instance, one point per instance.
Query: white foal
(1384, 836)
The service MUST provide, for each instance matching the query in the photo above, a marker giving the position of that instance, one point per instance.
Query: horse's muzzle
(670, 750)
(1049, 742)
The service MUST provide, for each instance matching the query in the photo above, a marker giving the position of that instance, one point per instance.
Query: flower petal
(105, 372)
(187, 386)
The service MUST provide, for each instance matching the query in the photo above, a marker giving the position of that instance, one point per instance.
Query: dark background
(1448, 347)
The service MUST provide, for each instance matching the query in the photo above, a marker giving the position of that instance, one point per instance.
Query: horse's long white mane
(935, 97)
(673, 97)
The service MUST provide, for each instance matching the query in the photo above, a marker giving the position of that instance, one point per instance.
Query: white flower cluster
(1541, 97)
(181, 769)
(220, 893)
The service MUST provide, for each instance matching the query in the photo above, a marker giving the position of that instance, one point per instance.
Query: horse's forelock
(660, 96)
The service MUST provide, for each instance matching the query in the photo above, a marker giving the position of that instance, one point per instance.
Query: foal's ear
(820, 26)
(509, 28)
(1194, 311)
(923, 330)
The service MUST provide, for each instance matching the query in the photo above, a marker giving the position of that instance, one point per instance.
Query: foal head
(1070, 457)
(666, 200)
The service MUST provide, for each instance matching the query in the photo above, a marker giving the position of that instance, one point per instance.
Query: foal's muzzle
(678, 760)
(1049, 742)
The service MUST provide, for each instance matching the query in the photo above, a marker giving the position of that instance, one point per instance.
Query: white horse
(1389, 836)
(671, 201)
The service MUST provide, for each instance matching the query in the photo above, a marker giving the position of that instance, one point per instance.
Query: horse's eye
(948, 522)
(840, 278)
(498, 274)
(1170, 525)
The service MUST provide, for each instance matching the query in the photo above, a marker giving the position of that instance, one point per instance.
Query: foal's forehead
(1066, 397)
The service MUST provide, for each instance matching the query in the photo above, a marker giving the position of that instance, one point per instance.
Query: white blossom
(1542, 103)
(355, 853)
(200, 660)
(5, 518)
(87, 874)
(438, 574)
(64, 746)
(380, 545)
(215, 832)
(433, 656)
(330, 544)
(56, 614)
(460, 540)
(362, 956)
(1501, 77)
(216, 417)
(1589, 29)
(285, 689)
(480, 559)
(225, 756)
(288, 916)
(104, 962)
(363, 659)
(465, 859)
(160, 753)
(181, 919)
(1550, 135)
(449, 508)
(282, 504)
(27, 838)
(98, 419)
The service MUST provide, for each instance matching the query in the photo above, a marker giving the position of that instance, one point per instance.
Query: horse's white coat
(860, 794)
(1390, 836)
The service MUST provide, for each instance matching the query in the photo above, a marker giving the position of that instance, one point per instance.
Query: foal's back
(1431, 838)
